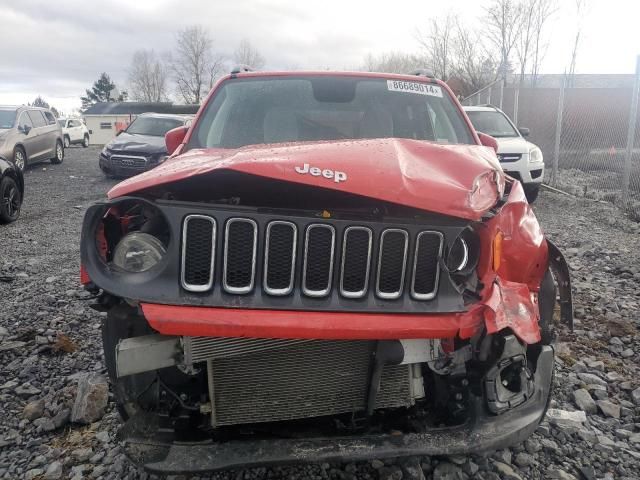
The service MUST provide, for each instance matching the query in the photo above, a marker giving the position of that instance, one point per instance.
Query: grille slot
(240, 245)
(392, 263)
(317, 269)
(356, 262)
(426, 265)
(198, 252)
(129, 161)
(280, 257)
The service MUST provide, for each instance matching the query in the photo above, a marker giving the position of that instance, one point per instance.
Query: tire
(67, 141)
(85, 141)
(531, 192)
(10, 200)
(20, 158)
(59, 154)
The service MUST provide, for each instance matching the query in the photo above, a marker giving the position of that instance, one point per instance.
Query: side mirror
(174, 138)
(488, 141)
(524, 131)
(24, 129)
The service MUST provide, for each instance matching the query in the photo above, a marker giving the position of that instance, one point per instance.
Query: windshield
(7, 118)
(154, 126)
(493, 123)
(253, 111)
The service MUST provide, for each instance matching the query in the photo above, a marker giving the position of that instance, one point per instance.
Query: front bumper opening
(168, 444)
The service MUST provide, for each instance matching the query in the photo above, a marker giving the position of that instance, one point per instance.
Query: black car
(11, 191)
(141, 146)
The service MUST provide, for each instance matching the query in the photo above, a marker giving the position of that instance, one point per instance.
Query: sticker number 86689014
(414, 87)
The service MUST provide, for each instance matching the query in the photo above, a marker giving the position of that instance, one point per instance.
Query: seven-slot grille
(355, 252)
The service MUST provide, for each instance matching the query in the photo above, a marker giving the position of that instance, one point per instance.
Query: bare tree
(392, 62)
(195, 65)
(581, 11)
(544, 11)
(147, 77)
(247, 54)
(503, 29)
(438, 45)
(474, 65)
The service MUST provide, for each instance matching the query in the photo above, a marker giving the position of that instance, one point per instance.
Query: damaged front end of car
(283, 320)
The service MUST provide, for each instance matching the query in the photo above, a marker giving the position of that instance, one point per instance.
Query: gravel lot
(49, 339)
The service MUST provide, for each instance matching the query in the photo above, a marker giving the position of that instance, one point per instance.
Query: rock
(54, 471)
(524, 460)
(105, 438)
(62, 418)
(27, 390)
(390, 473)
(558, 474)
(81, 455)
(33, 410)
(588, 472)
(13, 345)
(506, 472)
(91, 399)
(447, 471)
(503, 455)
(609, 409)
(566, 418)
(627, 353)
(591, 378)
(411, 469)
(3, 332)
(376, 464)
(584, 401)
(33, 473)
(615, 341)
(635, 396)
(45, 423)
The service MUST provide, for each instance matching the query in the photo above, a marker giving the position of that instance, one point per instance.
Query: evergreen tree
(101, 92)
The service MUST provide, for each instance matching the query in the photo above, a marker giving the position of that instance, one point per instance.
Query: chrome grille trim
(397, 294)
(129, 161)
(245, 289)
(430, 295)
(363, 292)
(324, 292)
(183, 282)
(265, 285)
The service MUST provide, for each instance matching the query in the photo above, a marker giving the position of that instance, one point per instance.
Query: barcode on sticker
(414, 87)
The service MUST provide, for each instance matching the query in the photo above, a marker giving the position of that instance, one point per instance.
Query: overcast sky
(58, 48)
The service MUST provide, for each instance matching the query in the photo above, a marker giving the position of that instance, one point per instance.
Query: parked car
(74, 131)
(29, 135)
(11, 191)
(519, 158)
(140, 147)
(330, 266)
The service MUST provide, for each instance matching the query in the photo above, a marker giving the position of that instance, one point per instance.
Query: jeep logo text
(326, 173)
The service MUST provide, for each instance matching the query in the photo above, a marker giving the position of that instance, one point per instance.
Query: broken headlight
(462, 256)
(138, 252)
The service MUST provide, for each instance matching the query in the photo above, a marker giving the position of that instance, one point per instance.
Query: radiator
(258, 380)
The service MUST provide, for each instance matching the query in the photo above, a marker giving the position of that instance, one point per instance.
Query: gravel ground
(49, 340)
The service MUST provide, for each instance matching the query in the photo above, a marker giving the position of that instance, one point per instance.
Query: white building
(104, 120)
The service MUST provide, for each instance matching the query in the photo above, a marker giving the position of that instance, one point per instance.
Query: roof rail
(241, 69)
(422, 72)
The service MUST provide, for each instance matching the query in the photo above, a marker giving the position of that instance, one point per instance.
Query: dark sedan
(11, 191)
(141, 146)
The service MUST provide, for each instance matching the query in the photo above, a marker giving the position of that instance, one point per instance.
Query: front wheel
(20, 158)
(59, 153)
(67, 141)
(85, 141)
(531, 192)
(10, 200)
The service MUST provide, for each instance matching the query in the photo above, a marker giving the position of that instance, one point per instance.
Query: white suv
(74, 131)
(519, 158)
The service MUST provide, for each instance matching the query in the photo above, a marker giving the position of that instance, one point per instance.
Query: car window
(492, 123)
(25, 120)
(62, 123)
(36, 118)
(51, 120)
(273, 110)
(153, 126)
(7, 119)
(73, 124)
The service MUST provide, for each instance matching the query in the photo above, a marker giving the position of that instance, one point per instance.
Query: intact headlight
(535, 155)
(105, 151)
(138, 252)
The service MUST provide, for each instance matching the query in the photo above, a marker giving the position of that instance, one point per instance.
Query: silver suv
(29, 135)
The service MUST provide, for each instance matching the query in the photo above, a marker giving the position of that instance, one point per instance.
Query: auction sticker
(414, 87)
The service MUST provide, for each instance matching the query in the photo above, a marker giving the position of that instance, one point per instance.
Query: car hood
(514, 145)
(457, 180)
(137, 143)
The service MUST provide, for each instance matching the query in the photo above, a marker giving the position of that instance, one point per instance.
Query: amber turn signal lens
(497, 250)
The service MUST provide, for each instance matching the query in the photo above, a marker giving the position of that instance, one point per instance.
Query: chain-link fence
(589, 135)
